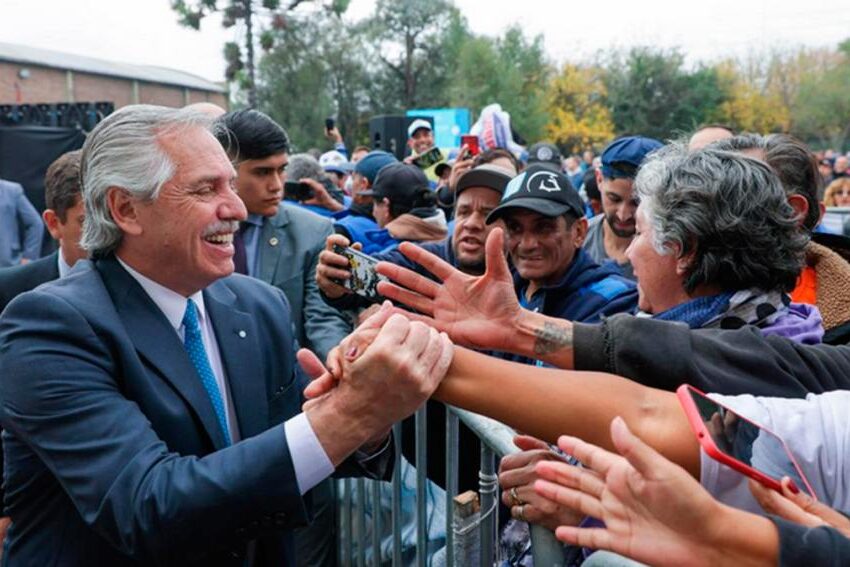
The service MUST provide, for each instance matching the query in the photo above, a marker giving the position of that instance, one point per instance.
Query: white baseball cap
(416, 125)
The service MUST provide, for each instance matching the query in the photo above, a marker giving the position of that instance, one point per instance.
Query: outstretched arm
(542, 402)
(547, 403)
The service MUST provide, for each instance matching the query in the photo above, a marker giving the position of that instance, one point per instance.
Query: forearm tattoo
(552, 338)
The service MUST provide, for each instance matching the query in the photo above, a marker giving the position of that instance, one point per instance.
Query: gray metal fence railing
(470, 537)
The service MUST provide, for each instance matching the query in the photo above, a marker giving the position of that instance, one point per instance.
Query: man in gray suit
(21, 230)
(280, 244)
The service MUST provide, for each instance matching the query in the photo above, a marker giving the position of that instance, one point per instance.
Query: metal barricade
(474, 541)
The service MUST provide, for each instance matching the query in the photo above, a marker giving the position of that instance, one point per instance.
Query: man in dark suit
(281, 242)
(64, 219)
(151, 403)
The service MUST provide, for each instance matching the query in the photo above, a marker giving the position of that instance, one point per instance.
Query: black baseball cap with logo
(398, 182)
(541, 190)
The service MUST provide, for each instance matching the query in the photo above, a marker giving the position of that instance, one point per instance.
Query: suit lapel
(239, 344)
(274, 247)
(157, 342)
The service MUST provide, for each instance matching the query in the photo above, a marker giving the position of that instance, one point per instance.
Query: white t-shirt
(816, 430)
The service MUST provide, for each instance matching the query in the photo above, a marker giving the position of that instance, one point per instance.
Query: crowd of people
(182, 377)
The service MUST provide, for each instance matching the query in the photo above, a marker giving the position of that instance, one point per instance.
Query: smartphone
(429, 158)
(471, 142)
(329, 124)
(297, 191)
(364, 279)
(739, 443)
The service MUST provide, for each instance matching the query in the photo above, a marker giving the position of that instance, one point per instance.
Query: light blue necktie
(194, 346)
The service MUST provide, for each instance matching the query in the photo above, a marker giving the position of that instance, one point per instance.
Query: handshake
(375, 377)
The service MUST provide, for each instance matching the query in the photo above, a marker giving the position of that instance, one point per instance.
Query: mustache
(221, 226)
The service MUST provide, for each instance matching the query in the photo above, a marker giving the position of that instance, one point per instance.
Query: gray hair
(123, 151)
(304, 165)
(729, 210)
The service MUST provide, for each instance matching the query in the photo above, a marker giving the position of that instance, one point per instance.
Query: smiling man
(151, 402)
(544, 230)
(609, 234)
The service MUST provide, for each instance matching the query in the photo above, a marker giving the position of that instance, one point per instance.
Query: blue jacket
(585, 293)
(21, 229)
(366, 231)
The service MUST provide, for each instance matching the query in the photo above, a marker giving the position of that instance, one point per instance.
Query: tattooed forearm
(552, 337)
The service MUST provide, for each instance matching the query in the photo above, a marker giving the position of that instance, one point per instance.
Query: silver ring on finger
(520, 515)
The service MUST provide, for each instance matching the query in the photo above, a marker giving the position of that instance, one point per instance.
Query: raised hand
(333, 268)
(654, 511)
(477, 311)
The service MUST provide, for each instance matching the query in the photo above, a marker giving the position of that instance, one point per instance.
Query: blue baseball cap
(622, 157)
(371, 164)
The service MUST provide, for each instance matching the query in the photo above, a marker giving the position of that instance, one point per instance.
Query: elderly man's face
(184, 237)
(470, 232)
(542, 248)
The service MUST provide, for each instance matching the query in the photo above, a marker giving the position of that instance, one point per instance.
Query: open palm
(654, 511)
(476, 311)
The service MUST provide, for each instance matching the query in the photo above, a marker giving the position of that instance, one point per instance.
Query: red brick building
(29, 75)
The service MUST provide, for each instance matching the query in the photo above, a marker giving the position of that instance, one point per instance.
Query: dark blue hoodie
(585, 293)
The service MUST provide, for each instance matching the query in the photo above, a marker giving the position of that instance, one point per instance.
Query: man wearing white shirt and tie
(151, 400)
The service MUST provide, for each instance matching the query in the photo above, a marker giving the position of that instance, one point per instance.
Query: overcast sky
(146, 31)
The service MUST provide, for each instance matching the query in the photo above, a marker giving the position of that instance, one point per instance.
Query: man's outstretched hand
(477, 311)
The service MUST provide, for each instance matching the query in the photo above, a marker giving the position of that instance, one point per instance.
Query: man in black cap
(545, 227)
(609, 234)
(545, 155)
(356, 223)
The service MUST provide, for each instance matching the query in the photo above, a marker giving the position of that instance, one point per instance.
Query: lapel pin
(273, 241)
(242, 334)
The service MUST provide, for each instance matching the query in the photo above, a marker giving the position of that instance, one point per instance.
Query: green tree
(415, 42)
(248, 15)
(315, 71)
(651, 94)
(511, 70)
(821, 110)
(748, 107)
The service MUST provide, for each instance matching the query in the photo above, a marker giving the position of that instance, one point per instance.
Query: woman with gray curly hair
(718, 245)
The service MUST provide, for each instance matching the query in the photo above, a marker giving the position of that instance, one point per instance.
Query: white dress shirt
(64, 268)
(309, 459)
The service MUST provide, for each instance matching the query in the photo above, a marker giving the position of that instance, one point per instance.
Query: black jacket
(663, 354)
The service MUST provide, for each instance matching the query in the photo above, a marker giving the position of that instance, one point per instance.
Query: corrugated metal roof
(23, 54)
